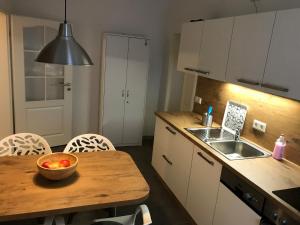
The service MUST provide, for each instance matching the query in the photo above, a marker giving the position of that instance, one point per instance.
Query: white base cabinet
(172, 157)
(203, 187)
(230, 210)
(191, 174)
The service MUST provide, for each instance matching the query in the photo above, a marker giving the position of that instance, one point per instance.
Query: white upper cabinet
(283, 67)
(215, 47)
(190, 41)
(249, 49)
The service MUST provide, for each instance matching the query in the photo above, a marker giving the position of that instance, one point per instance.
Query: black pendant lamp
(64, 49)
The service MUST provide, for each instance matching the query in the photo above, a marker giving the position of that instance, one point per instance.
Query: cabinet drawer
(172, 158)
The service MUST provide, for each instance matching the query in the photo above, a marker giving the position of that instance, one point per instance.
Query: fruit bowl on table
(57, 166)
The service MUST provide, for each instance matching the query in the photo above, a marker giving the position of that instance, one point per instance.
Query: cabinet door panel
(180, 154)
(116, 49)
(161, 138)
(203, 187)
(230, 210)
(136, 86)
(215, 48)
(6, 119)
(249, 49)
(283, 67)
(190, 41)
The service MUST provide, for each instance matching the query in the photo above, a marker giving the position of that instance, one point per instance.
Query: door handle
(127, 95)
(171, 131)
(167, 160)
(123, 93)
(275, 87)
(206, 159)
(65, 84)
(241, 80)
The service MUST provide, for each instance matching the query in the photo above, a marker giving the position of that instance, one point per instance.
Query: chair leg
(59, 220)
(48, 220)
(112, 212)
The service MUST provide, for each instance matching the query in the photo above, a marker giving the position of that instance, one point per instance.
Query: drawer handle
(274, 87)
(198, 71)
(247, 81)
(171, 131)
(167, 160)
(206, 159)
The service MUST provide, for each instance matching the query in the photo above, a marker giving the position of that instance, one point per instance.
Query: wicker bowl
(58, 173)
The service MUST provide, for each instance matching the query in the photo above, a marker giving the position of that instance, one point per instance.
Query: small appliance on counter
(207, 118)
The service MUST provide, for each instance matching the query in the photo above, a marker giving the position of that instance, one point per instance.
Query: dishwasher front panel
(230, 210)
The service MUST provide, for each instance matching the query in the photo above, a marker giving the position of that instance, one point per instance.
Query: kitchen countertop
(265, 174)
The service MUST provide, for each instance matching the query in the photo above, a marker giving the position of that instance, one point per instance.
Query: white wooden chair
(28, 144)
(89, 143)
(127, 220)
(24, 144)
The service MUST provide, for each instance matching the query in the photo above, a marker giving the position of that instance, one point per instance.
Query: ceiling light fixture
(64, 49)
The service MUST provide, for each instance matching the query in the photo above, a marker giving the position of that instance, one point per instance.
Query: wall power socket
(198, 100)
(260, 126)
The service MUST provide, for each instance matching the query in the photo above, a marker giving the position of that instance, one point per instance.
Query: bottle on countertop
(279, 148)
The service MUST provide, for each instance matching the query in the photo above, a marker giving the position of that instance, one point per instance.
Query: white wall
(5, 5)
(90, 19)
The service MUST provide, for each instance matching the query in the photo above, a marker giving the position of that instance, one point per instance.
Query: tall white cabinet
(6, 118)
(125, 62)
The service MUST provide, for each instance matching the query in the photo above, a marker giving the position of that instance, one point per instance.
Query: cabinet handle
(206, 159)
(275, 87)
(171, 131)
(198, 71)
(123, 93)
(167, 160)
(247, 81)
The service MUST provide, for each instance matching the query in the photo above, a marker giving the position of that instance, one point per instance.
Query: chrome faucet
(237, 135)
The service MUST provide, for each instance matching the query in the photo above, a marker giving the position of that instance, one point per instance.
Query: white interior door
(114, 81)
(42, 92)
(136, 85)
(6, 123)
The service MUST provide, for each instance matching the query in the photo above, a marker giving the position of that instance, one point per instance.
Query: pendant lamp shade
(64, 49)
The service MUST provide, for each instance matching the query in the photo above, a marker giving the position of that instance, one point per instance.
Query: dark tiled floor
(163, 207)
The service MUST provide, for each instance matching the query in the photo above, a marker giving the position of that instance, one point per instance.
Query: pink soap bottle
(279, 148)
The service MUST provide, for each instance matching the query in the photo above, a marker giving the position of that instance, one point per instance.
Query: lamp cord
(65, 11)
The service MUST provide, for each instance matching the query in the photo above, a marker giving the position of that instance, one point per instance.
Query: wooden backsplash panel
(281, 115)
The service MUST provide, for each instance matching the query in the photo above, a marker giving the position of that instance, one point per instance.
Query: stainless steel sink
(210, 134)
(238, 149)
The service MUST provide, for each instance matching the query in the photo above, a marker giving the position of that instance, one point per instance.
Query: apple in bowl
(57, 166)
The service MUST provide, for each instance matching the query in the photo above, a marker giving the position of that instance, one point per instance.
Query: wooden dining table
(102, 179)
